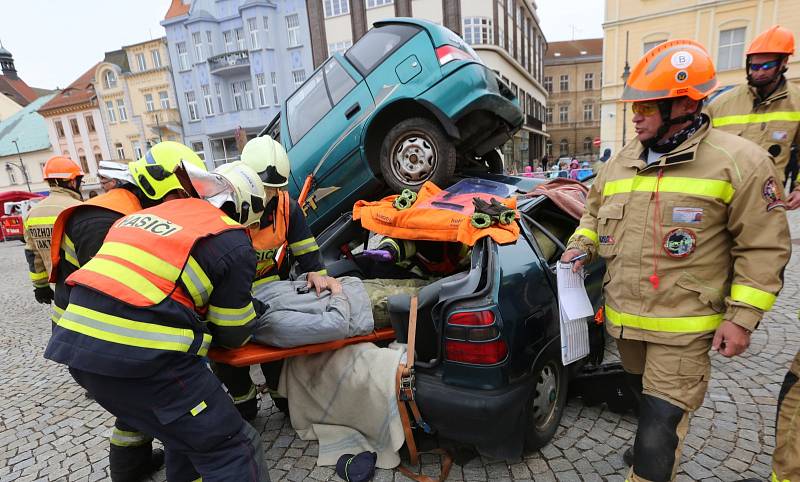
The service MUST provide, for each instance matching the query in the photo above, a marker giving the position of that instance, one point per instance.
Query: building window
(156, 56)
(73, 125)
(252, 27)
(112, 115)
(563, 114)
(218, 93)
(340, 47)
(588, 81)
(137, 150)
(563, 147)
(98, 157)
(248, 94)
(587, 145)
(336, 7)
(274, 79)
(89, 123)
(240, 42)
(564, 83)
(731, 49)
(265, 21)
(510, 8)
(191, 102)
(647, 46)
(236, 91)
(164, 98)
(548, 115)
(123, 112)
(207, 100)
(141, 62)
(478, 30)
(84, 164)
(197, 40)
(110, 79)
(183, 56)
(548, 147)
(197, 147)
(59, 129)
(548, 84)
(588, 112)
(120, 151)
(148, 103)
(293, 29)
(209, 43)
(298, 76)
(378, 3)
(261, 84)
(227, 36)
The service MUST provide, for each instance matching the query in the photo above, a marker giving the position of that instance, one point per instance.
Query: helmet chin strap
(667, 121)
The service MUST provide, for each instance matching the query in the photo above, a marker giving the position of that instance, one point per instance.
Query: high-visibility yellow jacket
(772, 123)
(39, 231)
(708, 218)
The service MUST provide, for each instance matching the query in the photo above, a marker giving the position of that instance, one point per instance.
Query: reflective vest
(120, 201)
(268, 241)
(147, 252)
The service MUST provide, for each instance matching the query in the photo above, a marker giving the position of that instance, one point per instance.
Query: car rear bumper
(491, 420)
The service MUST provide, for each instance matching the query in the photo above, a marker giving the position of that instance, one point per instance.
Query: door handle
(352, 110)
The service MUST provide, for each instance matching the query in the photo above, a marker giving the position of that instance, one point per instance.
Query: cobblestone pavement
(49, 431)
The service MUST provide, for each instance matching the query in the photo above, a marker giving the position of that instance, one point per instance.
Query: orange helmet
(774, 40)
(61, 167)
(672, 69)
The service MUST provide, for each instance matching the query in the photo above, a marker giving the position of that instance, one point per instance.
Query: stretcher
(253, 353)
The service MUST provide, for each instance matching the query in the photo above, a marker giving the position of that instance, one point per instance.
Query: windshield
(459, 196)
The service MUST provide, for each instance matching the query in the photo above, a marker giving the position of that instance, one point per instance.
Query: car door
(325, 117)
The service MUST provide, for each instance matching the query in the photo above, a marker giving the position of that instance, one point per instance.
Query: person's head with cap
(357, 468)
(164, 173)
(268, 158)
(767, 58)
(112, 175)
(61, 171)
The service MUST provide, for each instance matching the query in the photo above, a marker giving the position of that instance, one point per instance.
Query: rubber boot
(635, 385)
(240, 388)
(657, 439)
(134, 464)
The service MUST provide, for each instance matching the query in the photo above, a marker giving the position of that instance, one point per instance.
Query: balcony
(230, 64)
(163, 119)
(533, 122)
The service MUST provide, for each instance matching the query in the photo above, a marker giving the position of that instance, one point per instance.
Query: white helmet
(114, 170)
(247, 192)
(268, 158)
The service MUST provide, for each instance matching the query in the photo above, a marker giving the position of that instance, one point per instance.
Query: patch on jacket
(772, 194)
(780, 135)
(607, 240)
(682, 215)
(680, 242)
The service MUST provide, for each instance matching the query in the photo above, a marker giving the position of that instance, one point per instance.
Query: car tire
(415, 151)
(547, 399)
(493, 161)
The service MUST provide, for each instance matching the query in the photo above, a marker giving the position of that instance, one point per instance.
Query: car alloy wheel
(414, 158)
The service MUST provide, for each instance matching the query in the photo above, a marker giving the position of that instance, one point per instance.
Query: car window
(378, 44)
(551, 229)
(339, 81)
(274, 128)
(307, 106)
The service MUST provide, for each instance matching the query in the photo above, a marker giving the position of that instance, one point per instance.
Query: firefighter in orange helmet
(691, 224)
(766, 110)
(64, 177)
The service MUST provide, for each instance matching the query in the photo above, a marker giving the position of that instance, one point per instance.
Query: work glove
(43, 295)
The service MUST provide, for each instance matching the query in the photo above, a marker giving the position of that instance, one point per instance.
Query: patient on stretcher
(352, 307)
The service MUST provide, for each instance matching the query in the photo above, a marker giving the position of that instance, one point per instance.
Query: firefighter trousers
(786, 458)
(130, 452)
(674, 383)
(186, 408)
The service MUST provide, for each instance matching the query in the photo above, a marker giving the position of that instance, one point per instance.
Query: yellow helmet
(155, 172)
(268, 158)
(247, 192)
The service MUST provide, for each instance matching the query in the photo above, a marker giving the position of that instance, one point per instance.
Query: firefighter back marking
(150, 223)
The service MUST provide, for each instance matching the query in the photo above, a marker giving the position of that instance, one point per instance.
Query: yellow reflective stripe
(196, 282)
(251, 394)
(229, 221)
(722, 190)
(126, 276)
(198, 408)
(727, 120)
(265, 263)
(41, 220)
(322, 272)
(682, 324)
(230, 316)
(57, 312)
(70, 255)
(123, 438)
(38, 276)
(140, 258)
(753, 296)
(268, 279)
(776, 479)
(587, 233)
(123, 331)
(304, 246)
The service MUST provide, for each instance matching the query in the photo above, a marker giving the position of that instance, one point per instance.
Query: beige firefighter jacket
(39, 230)
(708, 217)
(774, 123)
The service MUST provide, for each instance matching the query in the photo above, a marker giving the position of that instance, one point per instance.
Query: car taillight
(448, 53)
(472, 337)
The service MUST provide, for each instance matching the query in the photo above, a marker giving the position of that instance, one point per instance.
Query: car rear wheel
(547, 400)
(415, 151)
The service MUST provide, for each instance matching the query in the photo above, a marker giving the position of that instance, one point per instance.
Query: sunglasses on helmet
(765, 66)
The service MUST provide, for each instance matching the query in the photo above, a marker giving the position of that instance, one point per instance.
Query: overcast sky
(55, 41)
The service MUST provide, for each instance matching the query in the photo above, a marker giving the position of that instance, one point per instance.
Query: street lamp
(20, 166)
(626, 72)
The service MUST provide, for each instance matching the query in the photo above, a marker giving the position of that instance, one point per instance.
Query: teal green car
(410, 102)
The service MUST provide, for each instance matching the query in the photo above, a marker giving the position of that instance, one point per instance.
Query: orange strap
(405, 400)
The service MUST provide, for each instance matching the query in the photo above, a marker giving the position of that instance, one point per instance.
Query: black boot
(627, 456)
(248, 409)
(121, 467)
(656, 439)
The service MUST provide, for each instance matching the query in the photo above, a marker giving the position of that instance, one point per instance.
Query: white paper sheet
(575, 309)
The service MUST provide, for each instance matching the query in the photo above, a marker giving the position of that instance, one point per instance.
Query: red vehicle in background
(15, 206)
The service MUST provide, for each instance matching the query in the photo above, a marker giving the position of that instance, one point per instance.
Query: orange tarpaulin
(425, 222)
(252, 353)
